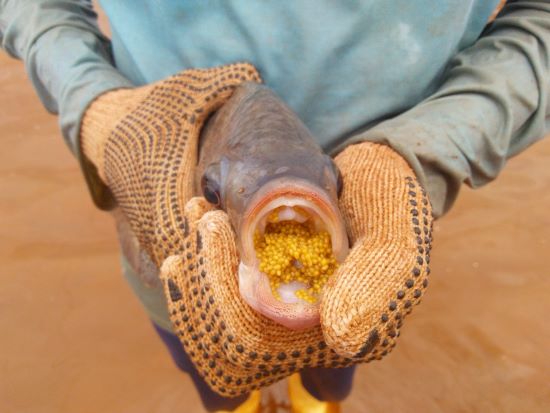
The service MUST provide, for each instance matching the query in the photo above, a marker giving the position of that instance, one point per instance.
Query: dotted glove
(389, 221)
(143, 143)
(234, 348)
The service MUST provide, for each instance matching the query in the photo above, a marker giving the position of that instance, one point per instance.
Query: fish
(255, 157)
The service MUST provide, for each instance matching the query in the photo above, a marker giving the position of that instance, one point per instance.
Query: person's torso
(341, 65)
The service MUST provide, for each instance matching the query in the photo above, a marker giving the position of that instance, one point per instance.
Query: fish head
(271, 163)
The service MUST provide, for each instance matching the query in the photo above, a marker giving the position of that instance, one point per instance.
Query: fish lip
(253, 284)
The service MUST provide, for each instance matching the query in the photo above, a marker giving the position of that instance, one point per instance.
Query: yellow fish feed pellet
(292, 251)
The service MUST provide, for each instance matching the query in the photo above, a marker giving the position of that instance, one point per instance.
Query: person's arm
(492, 105)
(67, 59)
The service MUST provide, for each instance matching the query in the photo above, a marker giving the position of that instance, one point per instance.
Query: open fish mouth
(288, 218)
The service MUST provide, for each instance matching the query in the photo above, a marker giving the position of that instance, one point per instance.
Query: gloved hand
(389, 221)
(143, 143)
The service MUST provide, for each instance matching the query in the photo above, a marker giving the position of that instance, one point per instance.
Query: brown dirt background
(74, 338)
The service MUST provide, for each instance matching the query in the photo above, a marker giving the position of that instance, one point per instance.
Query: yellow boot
(303, 402)
(251, 405)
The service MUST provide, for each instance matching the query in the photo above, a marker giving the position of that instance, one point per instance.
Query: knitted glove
(143, 143)
(233, 347)
(389, 221)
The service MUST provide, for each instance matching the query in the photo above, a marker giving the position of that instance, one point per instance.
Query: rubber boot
(303, 402)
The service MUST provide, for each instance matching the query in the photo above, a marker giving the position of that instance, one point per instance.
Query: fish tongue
(290, 214)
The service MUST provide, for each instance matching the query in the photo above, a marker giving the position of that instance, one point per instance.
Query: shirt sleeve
(67, 59)
(492, 104)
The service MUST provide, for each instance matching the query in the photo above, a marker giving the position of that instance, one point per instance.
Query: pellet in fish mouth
(295, 252)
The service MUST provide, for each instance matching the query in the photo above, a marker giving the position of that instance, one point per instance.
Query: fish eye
(210, 190)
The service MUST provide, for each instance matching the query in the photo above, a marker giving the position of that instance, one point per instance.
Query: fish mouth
(295, 200)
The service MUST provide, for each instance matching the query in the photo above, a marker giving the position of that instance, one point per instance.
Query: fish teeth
(290, 214)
